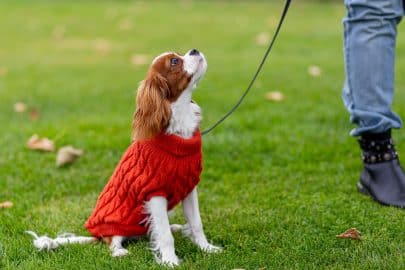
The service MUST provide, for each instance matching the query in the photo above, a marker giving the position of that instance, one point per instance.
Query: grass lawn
(279, 178)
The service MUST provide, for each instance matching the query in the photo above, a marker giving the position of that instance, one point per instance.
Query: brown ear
(153, 112)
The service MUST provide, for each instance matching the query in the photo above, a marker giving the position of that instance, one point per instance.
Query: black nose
(194, 52)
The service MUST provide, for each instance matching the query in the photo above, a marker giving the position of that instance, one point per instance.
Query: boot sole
(365, 191)
(362, 189)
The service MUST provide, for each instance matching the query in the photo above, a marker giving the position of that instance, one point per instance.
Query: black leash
(287, 5)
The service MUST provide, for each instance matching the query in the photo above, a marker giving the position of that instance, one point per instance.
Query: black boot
(382, 178)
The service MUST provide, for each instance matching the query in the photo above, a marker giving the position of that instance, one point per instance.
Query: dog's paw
(176, 227)
(184, 229)
(211, 248)
(170, 261)
(120, 252)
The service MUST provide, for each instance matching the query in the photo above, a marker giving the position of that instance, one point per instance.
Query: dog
(160, 169)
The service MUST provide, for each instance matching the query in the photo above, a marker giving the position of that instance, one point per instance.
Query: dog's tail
(47, 243)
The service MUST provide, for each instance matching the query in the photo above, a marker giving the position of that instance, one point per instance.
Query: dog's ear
(153, 111)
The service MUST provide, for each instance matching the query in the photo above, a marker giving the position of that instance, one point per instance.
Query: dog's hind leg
(117, 250)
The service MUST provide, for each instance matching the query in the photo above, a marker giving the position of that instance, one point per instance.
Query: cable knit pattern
(166, 165)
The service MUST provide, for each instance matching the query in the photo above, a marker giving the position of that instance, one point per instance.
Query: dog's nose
(194, 52)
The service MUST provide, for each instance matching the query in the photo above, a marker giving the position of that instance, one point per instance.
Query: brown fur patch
(107, 240)
(163, 85)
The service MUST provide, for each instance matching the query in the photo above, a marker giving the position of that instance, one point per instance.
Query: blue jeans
(370, 30)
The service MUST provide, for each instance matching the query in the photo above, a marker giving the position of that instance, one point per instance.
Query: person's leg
(370, 35)
(369, 43)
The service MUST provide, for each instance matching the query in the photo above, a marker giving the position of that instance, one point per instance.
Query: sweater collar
(176, 145)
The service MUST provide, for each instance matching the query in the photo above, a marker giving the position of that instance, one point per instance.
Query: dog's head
(168, 77)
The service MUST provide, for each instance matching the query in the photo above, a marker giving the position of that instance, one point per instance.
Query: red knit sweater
(166, 165)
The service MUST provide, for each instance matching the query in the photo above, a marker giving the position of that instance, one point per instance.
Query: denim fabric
(370, 30)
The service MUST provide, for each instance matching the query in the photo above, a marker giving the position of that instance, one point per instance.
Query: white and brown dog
(161, 167)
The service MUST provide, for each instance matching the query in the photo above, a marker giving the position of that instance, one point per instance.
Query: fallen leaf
(314, 71)
(3, 71)
(139, 59)
(351, 233)
(67, 155)
(262, 39)
(111, 13)
(186, 2)
(274, 96)
(33, 114)
(6, 204)
(125, 24)
(20, 107)
(41, 144)
(272, 22)
(58, 32)
(102, 46)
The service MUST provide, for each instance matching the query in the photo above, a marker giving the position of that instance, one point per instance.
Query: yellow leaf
(314, 71)
(3, 71)
(274, 96)
(102, 46)
(351, 233)
(6, 204)
(139, 59)
(67, 155)
(40, 144)
(58, 32)
(125, 24)
(262, 39)
(20, 107)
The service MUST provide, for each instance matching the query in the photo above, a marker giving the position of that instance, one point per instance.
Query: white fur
(195, 65)
(47, 243)
(162, 241)
(186, 116)
(194, 228)
(116, 246)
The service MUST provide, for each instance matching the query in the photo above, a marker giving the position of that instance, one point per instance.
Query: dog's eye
(174, 61)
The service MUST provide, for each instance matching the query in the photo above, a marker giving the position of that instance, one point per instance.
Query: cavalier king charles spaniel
(165, 114)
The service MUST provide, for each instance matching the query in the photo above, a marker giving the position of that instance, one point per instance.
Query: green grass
(279, 178)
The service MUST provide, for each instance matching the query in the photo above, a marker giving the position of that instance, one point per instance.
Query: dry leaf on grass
(58, 32)
(67, 155)
(33, 114)
(351, 233)
(3, 71)
(6, 204)
(41, 144)
(102, 46)
(272, 22)
(262, 39)
(20, 107)
(139, 59)
(186, 2)
(125, 24)
(314, 71)
(274, 96)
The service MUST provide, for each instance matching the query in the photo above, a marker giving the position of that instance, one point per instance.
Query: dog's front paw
(211, 248)
(120, 252)
(170, 261)
(184, 229)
